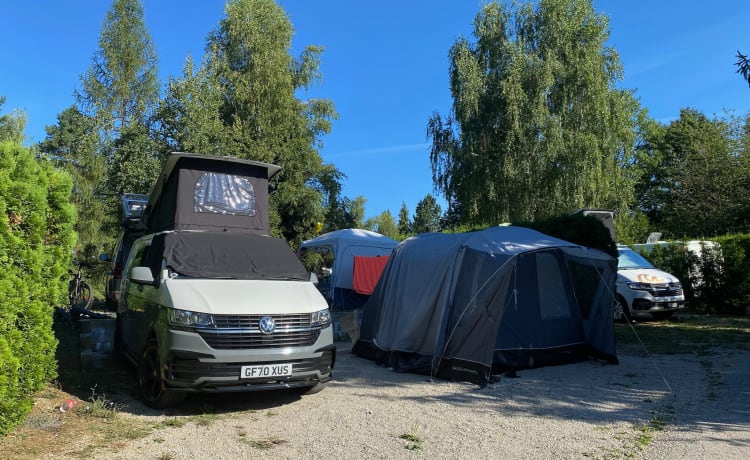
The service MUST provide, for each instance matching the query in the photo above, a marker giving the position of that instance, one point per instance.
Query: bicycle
(79, 300)
(79, 291)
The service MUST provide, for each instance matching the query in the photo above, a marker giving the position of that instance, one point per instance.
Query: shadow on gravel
(688, 370)
(643, 387)
(113, 379)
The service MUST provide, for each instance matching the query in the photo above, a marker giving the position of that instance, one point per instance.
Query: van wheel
(317, 388)
(621, 310)
(150, 383)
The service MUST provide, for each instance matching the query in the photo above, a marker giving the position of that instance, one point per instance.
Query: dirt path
(712, 410)
(585, 410)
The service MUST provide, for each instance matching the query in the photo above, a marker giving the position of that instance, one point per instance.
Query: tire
(317, 388)
(83, 298)
(621, 310)
(150, 384)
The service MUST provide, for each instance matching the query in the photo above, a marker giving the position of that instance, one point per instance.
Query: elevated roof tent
(606, 216)
(131, 208)
(205, 192)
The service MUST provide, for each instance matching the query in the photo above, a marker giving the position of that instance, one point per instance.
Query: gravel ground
(584, 410)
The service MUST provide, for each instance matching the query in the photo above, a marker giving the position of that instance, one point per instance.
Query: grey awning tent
(484, 302)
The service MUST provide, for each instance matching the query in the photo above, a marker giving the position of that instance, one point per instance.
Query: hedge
(715, 282)
(36, 243)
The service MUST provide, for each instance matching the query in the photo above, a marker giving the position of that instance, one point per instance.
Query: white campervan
(642, 288)
(209, 301)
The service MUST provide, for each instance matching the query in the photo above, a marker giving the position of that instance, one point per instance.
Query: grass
(646, 431)
(686, 333)
(265, 444)
(695, 334)
(413, 438)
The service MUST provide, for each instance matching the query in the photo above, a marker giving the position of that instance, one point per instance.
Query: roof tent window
(224, 194)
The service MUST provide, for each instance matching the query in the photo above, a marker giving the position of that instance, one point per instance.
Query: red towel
(367, 271)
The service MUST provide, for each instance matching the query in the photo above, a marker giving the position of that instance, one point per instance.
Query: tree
(119, 92)
(537, 126)
(404, 223)
(121, 85)
(357, 211)
(136, 161)
(190, 114)
(13, 125)
(698, 182)
(71, 144)
(385, 224)
(427, 216)
(246, 91)
(743, 66)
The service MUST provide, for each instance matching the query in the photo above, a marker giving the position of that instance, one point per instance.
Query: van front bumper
(194, 366)
(644, 302)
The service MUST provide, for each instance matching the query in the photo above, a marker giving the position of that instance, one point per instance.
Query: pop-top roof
(205, 192)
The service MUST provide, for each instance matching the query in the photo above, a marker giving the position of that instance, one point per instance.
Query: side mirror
(325, 271)
(142, 275)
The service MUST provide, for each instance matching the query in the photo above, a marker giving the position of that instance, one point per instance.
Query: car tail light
(117, 272)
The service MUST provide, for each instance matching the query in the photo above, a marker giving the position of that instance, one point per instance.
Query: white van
(642, 288)
(209, 301)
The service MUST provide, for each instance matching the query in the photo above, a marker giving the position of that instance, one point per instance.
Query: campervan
(642, 288)
(209, 301)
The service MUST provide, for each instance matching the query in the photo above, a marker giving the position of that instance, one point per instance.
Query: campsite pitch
(661, 404)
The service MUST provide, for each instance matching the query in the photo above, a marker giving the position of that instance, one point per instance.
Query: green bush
(36, 242)
(733, 267)
(715, 282)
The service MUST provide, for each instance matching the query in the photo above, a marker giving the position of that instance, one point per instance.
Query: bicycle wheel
(81, 297)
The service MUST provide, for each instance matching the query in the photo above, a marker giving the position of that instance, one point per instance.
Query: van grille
(666, 289)
(238, 332)
(251, 321)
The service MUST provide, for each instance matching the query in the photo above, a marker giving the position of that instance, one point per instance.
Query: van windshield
(222, 255)
(629, 259)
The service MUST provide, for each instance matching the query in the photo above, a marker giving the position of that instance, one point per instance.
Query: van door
(135, 319)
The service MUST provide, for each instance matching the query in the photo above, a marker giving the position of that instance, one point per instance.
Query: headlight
(186, 318)
(639, 286)
(320, 318)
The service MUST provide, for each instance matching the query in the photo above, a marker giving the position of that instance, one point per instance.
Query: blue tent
(484, 302)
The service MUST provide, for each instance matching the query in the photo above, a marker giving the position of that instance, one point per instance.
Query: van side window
(137, 257)
(220, 193)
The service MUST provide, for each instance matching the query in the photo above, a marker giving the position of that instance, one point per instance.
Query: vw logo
(266, 325)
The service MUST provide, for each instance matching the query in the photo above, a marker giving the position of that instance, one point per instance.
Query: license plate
(266, 370)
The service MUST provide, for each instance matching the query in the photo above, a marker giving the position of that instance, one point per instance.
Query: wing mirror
(142, 275)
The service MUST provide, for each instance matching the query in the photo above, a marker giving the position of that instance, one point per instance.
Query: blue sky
(385, 66)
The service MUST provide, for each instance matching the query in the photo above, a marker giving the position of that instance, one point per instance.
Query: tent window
(583, 277)
(219, 193)
(553, 299)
